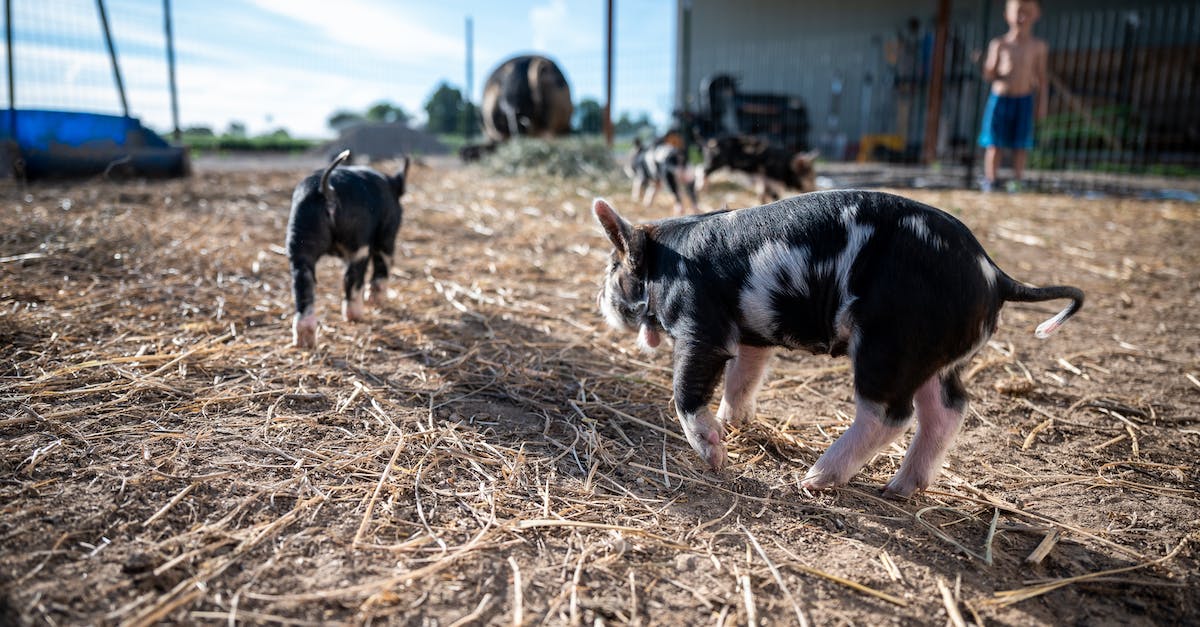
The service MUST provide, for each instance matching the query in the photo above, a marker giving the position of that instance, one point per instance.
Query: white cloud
(547, 21)
(377, 27)
(554, 30)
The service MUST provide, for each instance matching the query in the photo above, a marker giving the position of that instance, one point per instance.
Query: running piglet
(352, 212)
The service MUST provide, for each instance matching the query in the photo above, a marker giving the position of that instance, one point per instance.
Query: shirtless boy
(1016, 67)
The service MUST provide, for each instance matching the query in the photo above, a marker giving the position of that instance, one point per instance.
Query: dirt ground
(484, 450)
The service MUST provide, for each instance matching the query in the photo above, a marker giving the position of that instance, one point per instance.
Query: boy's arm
(1041, 60)
(989, 63)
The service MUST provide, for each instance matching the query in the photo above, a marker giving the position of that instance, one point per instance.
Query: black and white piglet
(662, 161)
(771, 166)
(904, 289)
(353, 212)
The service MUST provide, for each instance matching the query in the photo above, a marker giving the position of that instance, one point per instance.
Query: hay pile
(566, 157)
(484, 451)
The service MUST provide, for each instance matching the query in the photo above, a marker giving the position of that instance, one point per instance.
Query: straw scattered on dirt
(484, 451)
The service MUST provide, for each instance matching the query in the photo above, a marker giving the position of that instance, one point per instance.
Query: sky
(290, 64)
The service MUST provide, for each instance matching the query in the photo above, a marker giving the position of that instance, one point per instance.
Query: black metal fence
(1124, 88)
(1124, 91)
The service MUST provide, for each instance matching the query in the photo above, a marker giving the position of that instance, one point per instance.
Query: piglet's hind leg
(304, 323)
(377, 292)
(940, 403)
(869, 432)
(352, 284)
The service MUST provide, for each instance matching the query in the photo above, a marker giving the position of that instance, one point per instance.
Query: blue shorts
(1008, 122)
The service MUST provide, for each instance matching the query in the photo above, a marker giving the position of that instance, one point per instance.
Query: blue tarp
(76, 143)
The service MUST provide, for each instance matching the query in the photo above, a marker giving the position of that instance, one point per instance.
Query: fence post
(608, 77)
(469, 89)
(12, 90)
(934, 113)
(112, 54)
(985, 8)
(171, 70)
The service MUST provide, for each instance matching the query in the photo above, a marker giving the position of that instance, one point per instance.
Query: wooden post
(934, 113)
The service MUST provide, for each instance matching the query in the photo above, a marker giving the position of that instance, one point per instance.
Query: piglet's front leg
(743, 376)
(697, 369)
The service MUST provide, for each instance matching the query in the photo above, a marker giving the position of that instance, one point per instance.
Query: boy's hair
(1036, 3)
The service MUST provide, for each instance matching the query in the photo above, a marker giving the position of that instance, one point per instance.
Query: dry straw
(482, 450)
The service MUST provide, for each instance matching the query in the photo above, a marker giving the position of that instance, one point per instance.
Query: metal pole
(171, 70)
(12, 91)
(608, 76)
(112, 54)
(468, 92)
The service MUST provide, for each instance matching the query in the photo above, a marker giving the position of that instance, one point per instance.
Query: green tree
(589, 117)
(384, 111)
(445, 110)
(469, 121)
(236, 129)
(629, 126)
(342, 119)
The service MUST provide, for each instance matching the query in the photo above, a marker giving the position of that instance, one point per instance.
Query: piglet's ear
(616, 228)
(629, 241)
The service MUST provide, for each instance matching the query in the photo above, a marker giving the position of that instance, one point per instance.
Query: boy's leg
(1022, 135)
(990, 158)
(987, 140)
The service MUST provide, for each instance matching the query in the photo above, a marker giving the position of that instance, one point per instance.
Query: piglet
(663, 161)
(771, 166)
(353, 212)
(903, 288)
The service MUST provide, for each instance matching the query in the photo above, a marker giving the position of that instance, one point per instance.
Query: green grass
(234, 143)
(454, 141)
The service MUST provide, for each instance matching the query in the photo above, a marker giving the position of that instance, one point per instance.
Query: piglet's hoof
(352, 311)
(904, 487)
(731, 417)
(715, 455)
(376, 295)
(304, 331)
(816, 479)
(705, 435)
